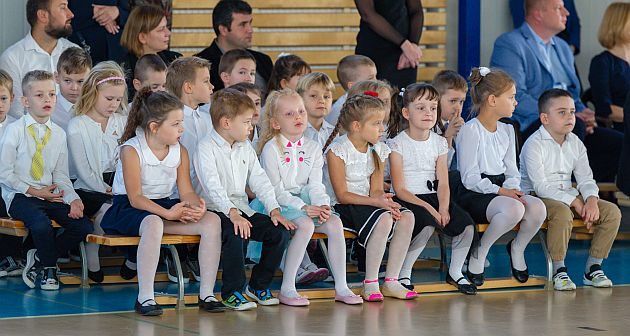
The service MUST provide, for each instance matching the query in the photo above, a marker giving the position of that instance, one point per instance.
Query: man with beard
(40, 49)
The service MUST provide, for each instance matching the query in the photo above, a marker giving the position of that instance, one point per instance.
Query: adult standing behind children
(41, 47)
(232, 24)
(389, 34)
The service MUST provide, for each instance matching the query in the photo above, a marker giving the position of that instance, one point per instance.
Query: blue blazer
(517, 54)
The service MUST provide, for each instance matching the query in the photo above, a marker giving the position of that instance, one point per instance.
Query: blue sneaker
(237, 301)
(263, 296)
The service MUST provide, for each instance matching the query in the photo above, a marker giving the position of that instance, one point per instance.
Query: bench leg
(85, 282)
(543, 244)
(181, 304)
(443, 267)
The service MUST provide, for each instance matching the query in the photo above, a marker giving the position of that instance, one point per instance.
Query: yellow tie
(37, 166)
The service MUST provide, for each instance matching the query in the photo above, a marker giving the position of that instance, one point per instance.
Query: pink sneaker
(350, 299)
(299, 301)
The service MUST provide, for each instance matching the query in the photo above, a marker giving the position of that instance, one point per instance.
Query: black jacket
(623, 177)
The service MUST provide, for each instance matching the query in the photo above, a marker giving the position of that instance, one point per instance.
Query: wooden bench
(321, 32)
(16, 228)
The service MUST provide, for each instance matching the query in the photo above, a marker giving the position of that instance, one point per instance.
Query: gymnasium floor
(107, 309)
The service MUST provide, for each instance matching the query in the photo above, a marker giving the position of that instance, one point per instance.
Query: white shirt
(197, 124)
(546, 168)
(224, 171)
(64, 111)
(16, 154)
(359, 166)
(333, 116)
(24, 56)
(480, 151)
(320, 136)
(92, 151)
(291, 167)
(3, 125)
(419, 159)
(157, 178)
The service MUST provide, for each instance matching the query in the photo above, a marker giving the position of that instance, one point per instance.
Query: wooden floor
(586, 311)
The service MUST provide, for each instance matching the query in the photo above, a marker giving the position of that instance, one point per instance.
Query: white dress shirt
(546, 168)
(197, 124)
(92, 151)
(480, 151)
(157, 178)
(359, 166)
(333, 116)
(3, 125)
(16, 154)
(419, 159)
(64, 111)
(224, 171)
(24, 56)
(293, 166)
(320, 136)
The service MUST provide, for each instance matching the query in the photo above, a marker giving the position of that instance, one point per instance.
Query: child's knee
(384, 224)
(153, 226)
(515, 210)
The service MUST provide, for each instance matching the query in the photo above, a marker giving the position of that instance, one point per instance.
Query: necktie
(37, 165)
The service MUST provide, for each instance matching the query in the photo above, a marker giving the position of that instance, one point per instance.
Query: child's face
(170, 131)
(317, 101)
(505, 103)
(452, 103)
(6, 98)
(421, 113)
(293, 81)
(370, 129)
(244, 71)
(156, 80)
(201, 86)
(363, 73)
(386, 97)
(290, 117)
(560, 116)
(240, 126)
(257, 102)
(70, 84)
(108, 99)
(40, 98)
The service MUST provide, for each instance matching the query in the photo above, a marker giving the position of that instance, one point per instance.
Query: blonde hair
(496, 82)
(142, 19)
(614, 25)
(182, 70)
(356, 108)
(314, 78)
(104, 73)
(6, 81)
(270, 111)
(369, 85)
(229, 103)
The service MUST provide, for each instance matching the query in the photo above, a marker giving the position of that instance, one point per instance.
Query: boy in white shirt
(226, 164)
(316, 90)
(72, 69)
(150, 71)
(350, 70)
(6, 98)
(548, 159)
(35, 183)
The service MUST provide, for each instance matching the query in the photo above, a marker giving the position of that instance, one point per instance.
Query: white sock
(295, 253)
(91, 249)
(459, 250)
(151, 230)
(535, 215)
(333, 228)
(503, 213)
(418, 243)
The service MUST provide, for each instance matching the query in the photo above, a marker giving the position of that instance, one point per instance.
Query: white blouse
(480, 151)
(158, 178)
(291, 167)
(3, 125)
(359, 166)
(92, 151)
(419, 159)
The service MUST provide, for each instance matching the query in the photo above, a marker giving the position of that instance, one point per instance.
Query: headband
(110, 79)
(371, 93)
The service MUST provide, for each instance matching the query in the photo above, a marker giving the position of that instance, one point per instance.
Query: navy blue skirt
(123, 219)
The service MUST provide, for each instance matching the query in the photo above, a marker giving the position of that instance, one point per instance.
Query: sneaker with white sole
(29, 274)
(50, 280)
(11, 267)
(562, 281)
(596, 278)
(171, 270)
(262, 296)
(193, 267)
(319, 273)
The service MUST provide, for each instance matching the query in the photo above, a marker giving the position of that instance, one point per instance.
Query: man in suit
(538, 60)
(232, 24)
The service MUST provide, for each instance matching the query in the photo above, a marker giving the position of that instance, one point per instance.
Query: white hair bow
(483, 71)
(402, 92)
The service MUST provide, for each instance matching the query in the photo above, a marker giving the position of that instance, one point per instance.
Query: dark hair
(148, 62)
(447, 80)
(32, 6)
(546, 97)
(74, 60)
(229, 103)
(229, 59)
(397, 123)
(222, 13)
(495, 82)
(286, 67)
(148, 107)
(247, 87)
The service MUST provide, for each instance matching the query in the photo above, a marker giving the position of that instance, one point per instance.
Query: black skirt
(94, 200)
(460, 219)
(476, 203)
(361, 220)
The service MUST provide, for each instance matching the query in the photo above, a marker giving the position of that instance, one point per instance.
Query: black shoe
(520, 276)
(193, 267)
(468, 289)
(410, 286)
(171, 269)
(150, 310)
(97, 276)
(211, 304)
(50, 280)
(476, 279)
(126, 272)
